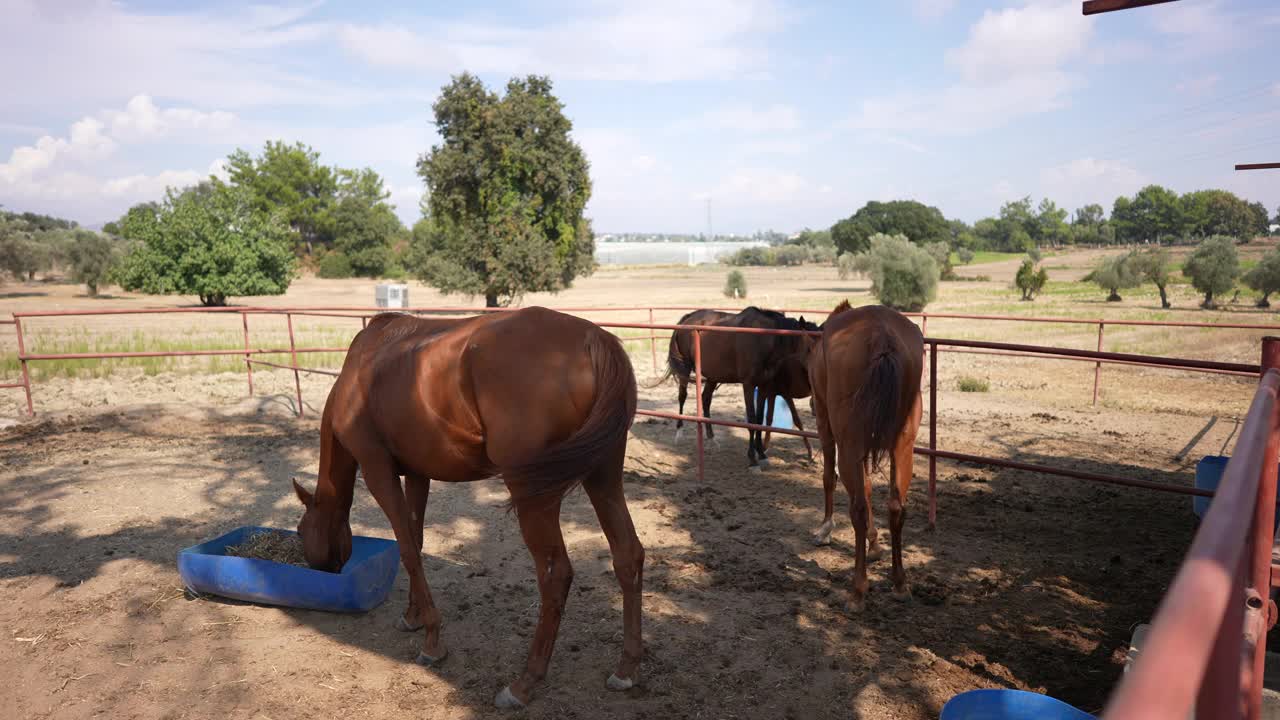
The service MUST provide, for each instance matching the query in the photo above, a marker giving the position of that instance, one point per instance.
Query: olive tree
(904, 276)
(1030, 279)
(1213, 268)
(1265, 277)
(1113, 274)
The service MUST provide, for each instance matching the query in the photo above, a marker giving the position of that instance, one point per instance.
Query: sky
(773, 114)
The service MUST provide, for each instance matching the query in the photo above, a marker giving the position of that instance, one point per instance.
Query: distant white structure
(388, 295)
(667, 253)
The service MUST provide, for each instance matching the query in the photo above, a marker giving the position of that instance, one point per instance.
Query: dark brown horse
(771, 363)
(543, 399)
(865, 373)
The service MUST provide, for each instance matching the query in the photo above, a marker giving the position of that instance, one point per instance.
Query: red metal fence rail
(1207, 645)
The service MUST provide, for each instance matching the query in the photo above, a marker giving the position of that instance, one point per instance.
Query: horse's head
(326, 537)
(795, 364)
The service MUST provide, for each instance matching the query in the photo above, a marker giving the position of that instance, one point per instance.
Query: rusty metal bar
(172, 353)
(1063, 472)
(1048, 356)
(697, 398)
(299, 369)
(933, 435)
(1196, 619)
(248, 366)
(653, 346)
(22, 361)
(1259, 166)
(1097, 366)
(1094, 7)
(1259, 607)
(293, 350)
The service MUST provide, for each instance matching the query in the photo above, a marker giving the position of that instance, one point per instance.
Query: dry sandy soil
(1028, 582)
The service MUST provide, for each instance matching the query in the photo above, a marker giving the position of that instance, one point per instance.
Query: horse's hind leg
(540, 526)
(749, 400)
(416, 489)
(384, 485)
(682, 394)
(851, 474)
(604, 487)
(900, 480)
(795, 418)
(828, 442)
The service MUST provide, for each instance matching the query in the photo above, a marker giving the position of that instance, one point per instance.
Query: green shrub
(846, 265)
(335, 266)
(965, 255)
(973, 384)
(735, 285)
(904, 276)
(788, 255)
(824, 254)
(1030, 279)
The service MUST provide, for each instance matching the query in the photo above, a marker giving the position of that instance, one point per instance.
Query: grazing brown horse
(543, 399)
(768, 362)
(865, 373)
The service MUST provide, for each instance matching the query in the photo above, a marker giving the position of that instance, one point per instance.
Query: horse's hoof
(403, 625)
(753, 469)
(857, 605)
(507, 700)
(679, 434)
(764, 462)
(822, 538)
(875, 552)
(619, 684)
(426, 660)
(902, 594)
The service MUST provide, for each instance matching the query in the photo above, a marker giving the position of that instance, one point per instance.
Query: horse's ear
(303, 494)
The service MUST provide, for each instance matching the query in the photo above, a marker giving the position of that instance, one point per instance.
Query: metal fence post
(293, 350)
(1261, 611)
(933, 435)
(22, 360)
(653, 344)
(248, 364)
(1097, 367)
(697, 389)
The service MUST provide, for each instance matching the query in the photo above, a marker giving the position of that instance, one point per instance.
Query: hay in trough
(284, 548)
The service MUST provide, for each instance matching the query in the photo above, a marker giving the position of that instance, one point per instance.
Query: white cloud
(1090, 180)
(75, 168)
(744, 118)
(758, 186)
(931, 9)
(1015, 41)
(655, 42)
(1199, 85)
(898, 142)
(1013, 63)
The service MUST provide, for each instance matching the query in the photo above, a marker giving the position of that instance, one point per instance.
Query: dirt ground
(1028, 582)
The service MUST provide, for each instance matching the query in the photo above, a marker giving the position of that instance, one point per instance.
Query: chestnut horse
(543, 399)
(771, 363)
(865, 373)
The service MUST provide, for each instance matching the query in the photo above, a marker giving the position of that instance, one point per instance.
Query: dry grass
(280, 547)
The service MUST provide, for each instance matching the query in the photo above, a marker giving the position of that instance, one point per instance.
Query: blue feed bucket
(1208, 474)
(781, 413)
(1004, 704)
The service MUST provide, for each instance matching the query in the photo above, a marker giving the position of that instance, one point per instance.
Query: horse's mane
(771, 314)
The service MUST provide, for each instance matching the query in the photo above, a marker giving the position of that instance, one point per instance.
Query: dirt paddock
(1029, 582)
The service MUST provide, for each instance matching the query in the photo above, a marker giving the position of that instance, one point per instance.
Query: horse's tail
(677, 363)
(877, 412)
(559, 468)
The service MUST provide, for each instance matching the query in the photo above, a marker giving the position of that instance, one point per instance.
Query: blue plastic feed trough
(365, 581)
(1009, 705)
(781, 413)
(1208, 474)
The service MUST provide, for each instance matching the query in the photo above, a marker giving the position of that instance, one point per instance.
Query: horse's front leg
(384, 485)
(416, 489)
(540, 526)
(748, 399)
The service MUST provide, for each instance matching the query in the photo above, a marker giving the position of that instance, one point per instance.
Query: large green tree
(365, 228)
(1090, 226)
(1154, 213)
(1115, 273)
(1051, 224)
(904, 275)
(209, 241)
(291, 181)
(921, 224)
(1152, 265)
(507, 188)
(1265, 277)
(1213, 267)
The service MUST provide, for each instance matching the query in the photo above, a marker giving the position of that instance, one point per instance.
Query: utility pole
(710, 232)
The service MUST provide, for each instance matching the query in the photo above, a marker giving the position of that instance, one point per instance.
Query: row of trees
(1213, 269)
(1153, 215)
(31, 243)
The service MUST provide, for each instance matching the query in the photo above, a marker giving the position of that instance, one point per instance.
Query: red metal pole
(933, 435)
(248, 366)
(1261, 612)
(653, 345)
(26, 375)
(293, 350)
(1219, 697)
(1097, 367)
(697, 389)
